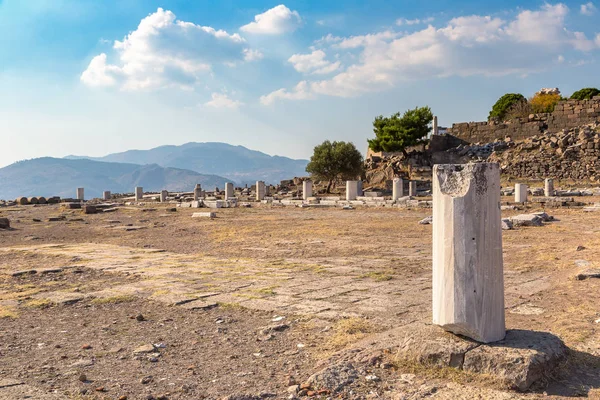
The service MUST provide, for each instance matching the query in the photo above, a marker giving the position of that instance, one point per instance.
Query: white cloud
(587, 9)
(98, 73)
(275, 21)
(166, 52)
(416, 21)
(532, 41)
(252, 55)
(221, 100)
(365, 40)
(300, 92)
(314, 63)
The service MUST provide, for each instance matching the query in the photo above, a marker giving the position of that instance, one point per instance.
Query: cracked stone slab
(588, 274)
(4, 383)
(199, 305)
(13, 389)
(527, 309)
(522, 360)
(61, 298)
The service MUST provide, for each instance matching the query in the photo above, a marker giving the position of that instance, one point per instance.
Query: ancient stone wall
(567, 114)
(570, 154)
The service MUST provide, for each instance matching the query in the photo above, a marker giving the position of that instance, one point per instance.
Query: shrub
(504, 104)
(544, 103)
(585, 93)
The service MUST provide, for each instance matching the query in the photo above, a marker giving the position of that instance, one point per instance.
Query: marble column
(163, 196)
(197, 192)
(229, 190)
(397, 189)
(468, 286)
(412, 188)
(106, 195)
(520, 193)
(139, 193)
(261, 190)
(80, 194)
(307, 189)
(351, 190)
(549, 187)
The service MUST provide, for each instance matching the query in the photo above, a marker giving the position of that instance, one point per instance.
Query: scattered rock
(587, 274)
(580, 248)
(24, 272)
(145, 349)
(506, 224)
(427, 221)
(4, 223)
(333, 377)
(526, 220)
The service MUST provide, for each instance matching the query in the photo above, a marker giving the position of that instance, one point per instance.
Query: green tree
(396, 133)
(335, 160)
(585, 93)
(504, 104)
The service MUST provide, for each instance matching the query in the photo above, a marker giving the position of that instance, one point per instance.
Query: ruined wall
(567, 114)
(572, 154)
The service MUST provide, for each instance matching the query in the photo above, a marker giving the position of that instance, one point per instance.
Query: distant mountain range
(236, 163)
(60, 177)
(174, 168)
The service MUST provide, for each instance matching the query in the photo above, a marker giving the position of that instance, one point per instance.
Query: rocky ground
(265, 302)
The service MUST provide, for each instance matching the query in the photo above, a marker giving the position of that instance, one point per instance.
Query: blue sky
(94, 77)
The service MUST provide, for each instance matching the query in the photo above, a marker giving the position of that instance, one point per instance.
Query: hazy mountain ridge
(237, 163)
(49, 176)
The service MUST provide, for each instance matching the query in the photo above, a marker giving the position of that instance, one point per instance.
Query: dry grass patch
(38, 303)
(379, 276)
(347, 331)
(117, 299)
(7, 312)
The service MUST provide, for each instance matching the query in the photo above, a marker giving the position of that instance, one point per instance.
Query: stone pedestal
(412, 189)
(229, 190)
(80, 194)
(468, 286)
(106, 195)
(307, 187)
(351, 190)
(163, 196)
(139, 193)
(197, 192)
(261, 190)
(520, 193)
(549, 187)
(397, 189)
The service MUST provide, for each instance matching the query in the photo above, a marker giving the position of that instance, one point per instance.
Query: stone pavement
(330, 288)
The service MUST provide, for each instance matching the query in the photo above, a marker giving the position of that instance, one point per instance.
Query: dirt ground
(147, 303)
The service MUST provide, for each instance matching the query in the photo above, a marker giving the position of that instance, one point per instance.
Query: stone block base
(522, 360)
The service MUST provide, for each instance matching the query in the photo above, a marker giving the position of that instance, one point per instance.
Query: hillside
(234, 162)
(60, 177)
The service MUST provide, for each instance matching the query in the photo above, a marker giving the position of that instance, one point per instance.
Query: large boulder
(4, 223)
